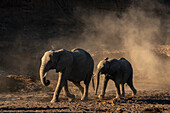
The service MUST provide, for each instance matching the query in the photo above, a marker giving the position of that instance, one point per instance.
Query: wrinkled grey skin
(120, 71)
(75, 66)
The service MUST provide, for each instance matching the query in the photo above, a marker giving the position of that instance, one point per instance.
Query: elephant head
(58, 60)
(102, 68)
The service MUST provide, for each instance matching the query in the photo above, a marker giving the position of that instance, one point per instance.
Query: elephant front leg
(57, 91)
(101, 96)
(61, 82)
(67, 93)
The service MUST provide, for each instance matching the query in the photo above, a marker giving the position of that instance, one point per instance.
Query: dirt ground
(21, 93)
(33, 97)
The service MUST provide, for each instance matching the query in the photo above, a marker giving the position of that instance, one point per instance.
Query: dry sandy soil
(19, 93)
(33, 97)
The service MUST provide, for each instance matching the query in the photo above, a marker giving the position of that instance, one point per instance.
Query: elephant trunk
(43, 74)
(98, 79)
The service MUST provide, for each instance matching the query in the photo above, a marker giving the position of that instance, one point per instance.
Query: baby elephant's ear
(106, 58)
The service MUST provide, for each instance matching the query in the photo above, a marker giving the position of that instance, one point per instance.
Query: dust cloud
(134, 34)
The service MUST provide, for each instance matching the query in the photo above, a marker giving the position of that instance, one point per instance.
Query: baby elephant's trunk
(98, 79)
(93, 82)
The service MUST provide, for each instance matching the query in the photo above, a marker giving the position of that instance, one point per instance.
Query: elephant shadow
(155, 101)
(138, 100)
(35, 108)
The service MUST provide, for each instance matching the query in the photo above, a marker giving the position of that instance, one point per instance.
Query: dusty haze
(134, 33)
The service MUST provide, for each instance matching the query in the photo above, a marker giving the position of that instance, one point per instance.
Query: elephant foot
(71, 96)
(134, 92)
(116, 99)
(84, 98)
(81, 94)
(54, 100)
(101, 97)
(70, 99)
(122, 96)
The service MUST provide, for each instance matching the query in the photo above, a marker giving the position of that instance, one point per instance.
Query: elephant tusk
(45, 75)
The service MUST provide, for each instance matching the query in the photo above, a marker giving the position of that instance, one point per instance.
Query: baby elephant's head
(103, 66)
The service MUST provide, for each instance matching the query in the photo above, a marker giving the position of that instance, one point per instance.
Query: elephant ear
(114, 68)
(107, 66)
(63, 60)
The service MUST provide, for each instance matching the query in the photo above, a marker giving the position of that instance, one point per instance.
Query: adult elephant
(120, 71)
(75, 65)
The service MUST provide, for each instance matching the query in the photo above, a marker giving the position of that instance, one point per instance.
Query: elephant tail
(93, 82)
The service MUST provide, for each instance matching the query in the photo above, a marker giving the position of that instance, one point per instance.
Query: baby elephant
(120, 71)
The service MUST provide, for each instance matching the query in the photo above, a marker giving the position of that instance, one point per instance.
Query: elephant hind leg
(133, 89)
(68, 94)
(79, 86)
(130, 84)
(86, 87)
(117, 90)
(123, 90)
(85, 93)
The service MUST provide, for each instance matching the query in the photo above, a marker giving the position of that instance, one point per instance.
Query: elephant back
(83, 59)
(83, 52)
